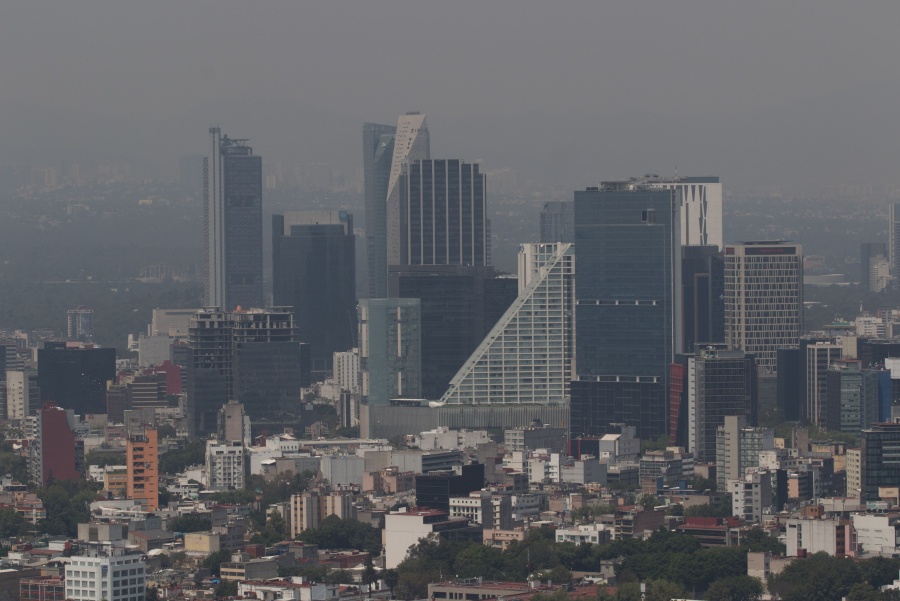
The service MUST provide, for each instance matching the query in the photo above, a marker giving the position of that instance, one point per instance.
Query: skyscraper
(819, 357)
(232, 214)
(628, 240)
(442, 214)
(411, 143)
(142, 462)
(894, 238)
(314, 271)
(558, 221)
(389, 349)
(78, 324)
(252, 357)
(378, 152)
(701, 208)
(763, 298)
(75, 377)
(867, 252)
(703, 289)
(528, 357)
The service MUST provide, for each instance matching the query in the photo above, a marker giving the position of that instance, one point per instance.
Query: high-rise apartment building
(55, 453)
(528, 357)
(75, 376)
(894, 238)
(558, 221)
(628, 319)
(253, 357)
(378, 152)
(232, 214)
(23, 397)
(411, 143)
(879, 449)
(227, 466)
(869, 253)
(142, 464)
(763, 298)
(738, 446)
(113, 575)
(314, 272)
(720, 383)
(443, 218)
(390, 349)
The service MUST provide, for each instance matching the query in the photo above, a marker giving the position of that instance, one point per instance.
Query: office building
(763, 298)
(528, 357)
(703, 290)
(390, 349)
(116, 403)
(227, 466)
(879, 448)
(252, 357)
(232, 216)
(628, 319)
(720, 383)
(79, 324)
(558, 221)
(116, 575)
(142, 464)
(378, 152)
(852, 396)
(435, 489)
(894, 238)
(458, 307)
(869, 252)
(234, 424)
(701, 208)
(819, 357)
(791, 393)
(314, 272)
(737, 448)
(411, 143)
(55, 453)
(443, 214)
(23, 397)
(42, 588)
(75, 376)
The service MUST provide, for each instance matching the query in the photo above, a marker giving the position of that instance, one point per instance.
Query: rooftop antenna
(676, 173)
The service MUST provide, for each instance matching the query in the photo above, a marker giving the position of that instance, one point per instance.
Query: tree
(227, 588)
(190, 523)
(214, 561)
(12, 523)
(390, 580)
(657, 590)
(735, 588)
(756, 539)
(369, 575)
(177, 460)
(335, 533)
(863, 591)
(104, 458)
(649, 501)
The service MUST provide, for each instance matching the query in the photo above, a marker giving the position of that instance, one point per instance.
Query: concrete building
(854, 483)
(751, 495)
(738, 447)
(55, 453)
(594, 534)
(820, 356)
(390, 360)
(226, 465)
(404, 529)
(829, 535)
(534, 437)
(118, 576)
(346, 370)
(490, 511)
(879, 444)
(142, 464)
(23, 397)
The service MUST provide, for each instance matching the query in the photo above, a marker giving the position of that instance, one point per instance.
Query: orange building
(142, 459)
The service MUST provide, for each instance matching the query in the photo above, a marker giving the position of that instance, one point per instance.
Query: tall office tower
(142, 465)
(763, 298)
(819, 358)
(627, 323)
(791, 395)
(852, 396)
(314, 272)
(558, 221)
(894, 238)
(721, 382)
(79, 324)
(378, 152)
(867, 252)
(390, 346)
(252, 357)
(703, 289)
(9, 358)
(234, 424)
(23, 397)
(528, 357)
(411, 144)
(147, 390)
(55, 453)
(443, 214)
(457, 310)
(878, 449)
(232, 216)
(75, 377)
(701, 209)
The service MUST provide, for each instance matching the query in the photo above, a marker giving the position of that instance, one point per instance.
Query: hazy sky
(802, 92)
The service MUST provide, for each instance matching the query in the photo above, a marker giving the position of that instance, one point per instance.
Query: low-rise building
(116, 575)
(404, 529)
(243, 567)
(596, 534)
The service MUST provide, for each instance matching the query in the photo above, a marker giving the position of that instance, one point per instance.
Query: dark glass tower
(75, 377)
(703, 289)
(443, 214)
(232, 212)
(314, 271)
(628, 295)
(558, 221)
(378, 150)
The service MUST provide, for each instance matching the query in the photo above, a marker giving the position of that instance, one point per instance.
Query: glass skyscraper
(627, 239)
(232, 215)
(378, 150)
(390, 342)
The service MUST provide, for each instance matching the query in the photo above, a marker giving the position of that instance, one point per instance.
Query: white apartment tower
(763, 298)
(701, 209)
